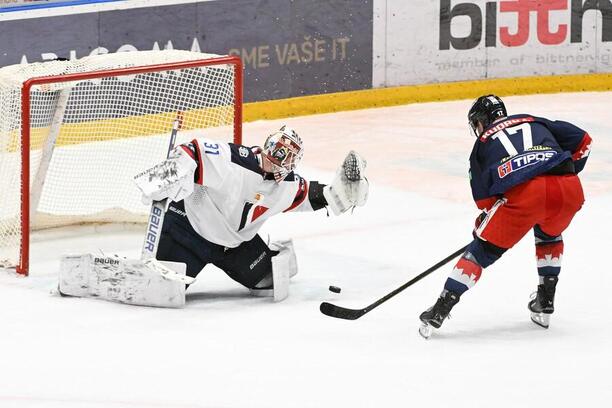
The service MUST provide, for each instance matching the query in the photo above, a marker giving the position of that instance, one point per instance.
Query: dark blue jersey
(518, 148)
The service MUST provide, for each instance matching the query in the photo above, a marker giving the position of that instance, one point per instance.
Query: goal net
(74, 133)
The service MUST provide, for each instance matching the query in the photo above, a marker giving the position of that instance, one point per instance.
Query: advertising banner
(289, 48)
(450, 40)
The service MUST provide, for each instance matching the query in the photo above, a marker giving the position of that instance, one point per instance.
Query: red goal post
(88, 127)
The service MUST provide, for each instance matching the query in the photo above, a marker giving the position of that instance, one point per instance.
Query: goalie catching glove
(349, 189)
(172, 178)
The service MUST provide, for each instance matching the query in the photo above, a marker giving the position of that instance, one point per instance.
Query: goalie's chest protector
(232, 199)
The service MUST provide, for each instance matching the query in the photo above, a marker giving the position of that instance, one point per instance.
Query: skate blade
(425, 330)
(541, 319)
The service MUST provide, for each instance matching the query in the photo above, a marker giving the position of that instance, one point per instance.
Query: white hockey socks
(131, 281)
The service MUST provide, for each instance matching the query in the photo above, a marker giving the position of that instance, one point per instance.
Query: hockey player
(219, 196)
(523, 176)
(226, 193)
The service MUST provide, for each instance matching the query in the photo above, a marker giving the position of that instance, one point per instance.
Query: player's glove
(479, 219)
(350, 186)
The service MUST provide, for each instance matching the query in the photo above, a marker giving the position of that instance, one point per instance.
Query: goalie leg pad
(131, 281)
(287, 253)
(284, 267)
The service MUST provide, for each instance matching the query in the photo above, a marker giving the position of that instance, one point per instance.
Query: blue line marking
(46, 5)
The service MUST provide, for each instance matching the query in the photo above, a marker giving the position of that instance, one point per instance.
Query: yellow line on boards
(372, 98)
(135, 126)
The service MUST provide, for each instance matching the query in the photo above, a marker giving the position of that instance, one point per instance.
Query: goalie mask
(283, 150)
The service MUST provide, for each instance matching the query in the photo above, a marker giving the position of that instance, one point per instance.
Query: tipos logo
(518, 32)
(523, 160)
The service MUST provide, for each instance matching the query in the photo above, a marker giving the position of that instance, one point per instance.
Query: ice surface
(228, 349)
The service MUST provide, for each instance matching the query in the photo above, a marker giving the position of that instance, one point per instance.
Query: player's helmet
(284, 150)
(485, 110)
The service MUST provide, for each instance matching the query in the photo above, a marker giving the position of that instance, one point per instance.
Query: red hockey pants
(549, 201)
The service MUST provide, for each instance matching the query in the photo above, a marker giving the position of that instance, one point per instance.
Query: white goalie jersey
(232, 197)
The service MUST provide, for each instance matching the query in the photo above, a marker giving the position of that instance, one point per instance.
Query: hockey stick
(353, 314)
(158, 208)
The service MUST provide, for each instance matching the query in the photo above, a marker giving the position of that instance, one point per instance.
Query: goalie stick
(158, 208)
(354, 314)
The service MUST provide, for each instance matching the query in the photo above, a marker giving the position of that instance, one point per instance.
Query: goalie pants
(247, 264)
(546, 204)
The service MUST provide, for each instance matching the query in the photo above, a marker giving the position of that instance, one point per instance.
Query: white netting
(105, 131)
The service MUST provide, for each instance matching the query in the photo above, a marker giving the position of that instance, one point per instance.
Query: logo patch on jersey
(504, 169)
(252, 211)
(258, 212)
(523, 160)
(243, 151)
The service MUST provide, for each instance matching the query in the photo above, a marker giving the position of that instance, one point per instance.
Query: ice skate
(433, 317)
(542, 304)
(425, 330)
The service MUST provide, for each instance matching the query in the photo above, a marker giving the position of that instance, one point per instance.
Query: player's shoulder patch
(244, 157)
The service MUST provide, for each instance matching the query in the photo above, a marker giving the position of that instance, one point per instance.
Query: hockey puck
(335, 289)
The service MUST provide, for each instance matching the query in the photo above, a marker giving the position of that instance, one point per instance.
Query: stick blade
(341, 312)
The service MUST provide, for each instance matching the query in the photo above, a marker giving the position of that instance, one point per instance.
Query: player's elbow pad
(579, 165)
(581, 154)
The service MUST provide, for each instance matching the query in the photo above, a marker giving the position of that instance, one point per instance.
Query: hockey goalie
(218, 196)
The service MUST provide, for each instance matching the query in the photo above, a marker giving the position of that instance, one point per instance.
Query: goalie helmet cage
(74, 133)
